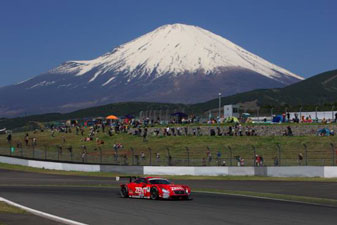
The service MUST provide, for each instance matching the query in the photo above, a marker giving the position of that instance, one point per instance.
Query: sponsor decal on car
(177, 188)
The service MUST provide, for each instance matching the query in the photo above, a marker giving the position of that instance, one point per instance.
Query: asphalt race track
(104, 206)
(312, 189)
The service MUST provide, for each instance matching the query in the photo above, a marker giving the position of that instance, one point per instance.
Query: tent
(323, 132)
(231, 119)
(112, 117)
(277, 119)
(128, 116)
(179, 114)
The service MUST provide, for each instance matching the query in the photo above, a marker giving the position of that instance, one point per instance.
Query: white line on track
(42, 214)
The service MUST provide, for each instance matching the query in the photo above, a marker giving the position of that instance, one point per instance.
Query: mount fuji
(174, 63)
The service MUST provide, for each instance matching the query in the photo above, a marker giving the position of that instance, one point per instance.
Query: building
(231, 110)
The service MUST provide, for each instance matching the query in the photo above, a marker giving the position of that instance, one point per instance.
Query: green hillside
(319, 90)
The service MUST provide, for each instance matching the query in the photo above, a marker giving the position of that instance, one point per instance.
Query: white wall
(14, 161)
(285, 171)
(64, 166)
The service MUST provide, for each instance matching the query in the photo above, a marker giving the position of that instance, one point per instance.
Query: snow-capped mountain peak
(173, 64)
(174, 49)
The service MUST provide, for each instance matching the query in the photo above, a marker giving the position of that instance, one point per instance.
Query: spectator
(157, 156)
(300, 159)
(257, 160)
(219, 131)
(34, 142)
(289, 131)
(142, 156)
(238, 158)
(26, 139)
(242, 161)
(203, 162)
(276, 161)
(9, 139)
(261, 160)
(145, 135)
(84, 156)
(223, 163)
(218, 157)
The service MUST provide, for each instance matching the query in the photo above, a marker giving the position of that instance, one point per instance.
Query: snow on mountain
(174, 49)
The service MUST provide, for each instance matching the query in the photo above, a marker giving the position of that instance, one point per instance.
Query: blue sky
(38, 35)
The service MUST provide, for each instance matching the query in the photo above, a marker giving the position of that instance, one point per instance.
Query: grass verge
(5, 208)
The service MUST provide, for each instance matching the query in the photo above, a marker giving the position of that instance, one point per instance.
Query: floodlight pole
(219, 106)
(332, 111)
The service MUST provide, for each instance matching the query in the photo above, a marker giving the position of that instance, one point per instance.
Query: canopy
(324, 132)
(277, 119)
(129, 116)
(112, 117)
(231, 119)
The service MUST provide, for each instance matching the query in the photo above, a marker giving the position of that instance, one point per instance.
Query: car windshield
(159, 181)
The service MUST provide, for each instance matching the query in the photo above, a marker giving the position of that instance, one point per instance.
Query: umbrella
(111, 117)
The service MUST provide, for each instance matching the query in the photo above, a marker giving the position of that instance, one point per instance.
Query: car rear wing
(126, 177)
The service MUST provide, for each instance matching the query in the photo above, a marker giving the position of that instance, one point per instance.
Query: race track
(104, 206)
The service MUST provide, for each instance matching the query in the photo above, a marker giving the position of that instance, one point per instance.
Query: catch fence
(226, 155)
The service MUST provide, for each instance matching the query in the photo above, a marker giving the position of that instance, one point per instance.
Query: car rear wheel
(124, 193)
(154, 194)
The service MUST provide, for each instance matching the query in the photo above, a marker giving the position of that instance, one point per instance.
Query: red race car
(153, 188)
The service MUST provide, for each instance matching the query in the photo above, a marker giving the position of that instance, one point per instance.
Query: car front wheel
(154, 194)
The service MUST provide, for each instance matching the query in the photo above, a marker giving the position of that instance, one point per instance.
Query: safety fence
(236, 155)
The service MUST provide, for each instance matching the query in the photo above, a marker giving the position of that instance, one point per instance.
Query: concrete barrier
(286, 171)
(169, 170)
(296, 171)
(138, 170)
(211, 171)
(261, 171)
(330, 171)
(14, 161)
(45, 165)
(241, 171)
